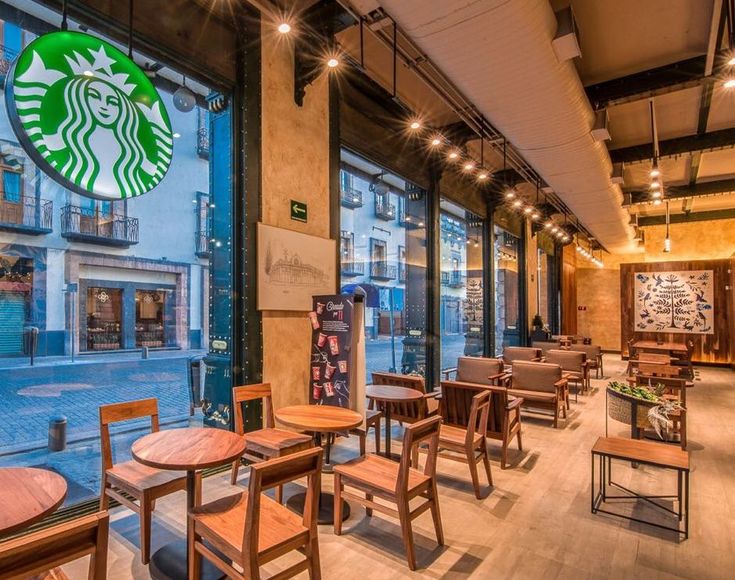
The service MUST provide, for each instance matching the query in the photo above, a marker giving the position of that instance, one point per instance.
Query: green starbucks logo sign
(89, 116)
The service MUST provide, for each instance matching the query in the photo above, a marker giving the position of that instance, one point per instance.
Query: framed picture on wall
(293, 267)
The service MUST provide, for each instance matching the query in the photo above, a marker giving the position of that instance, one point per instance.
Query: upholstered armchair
(594, 357)
(573, 365)
(540, 385)
(520, 353)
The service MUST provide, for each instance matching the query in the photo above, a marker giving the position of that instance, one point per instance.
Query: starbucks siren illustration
(89, 116)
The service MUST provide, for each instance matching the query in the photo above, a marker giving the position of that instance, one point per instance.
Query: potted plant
(538, 332)
(650, 407)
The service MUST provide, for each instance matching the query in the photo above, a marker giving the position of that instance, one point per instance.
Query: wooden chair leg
(486, 462)
(98, 559)
(405, 518)
(104, 498)
(311, 550)
(198, 488)
(369, 510)
(377, 436)
(362, 437)
(337, 504)
(195, 558)
(436, 515)
(145, 529)
(472, 464)
(504, 452)
(556, 415)
(235, 470)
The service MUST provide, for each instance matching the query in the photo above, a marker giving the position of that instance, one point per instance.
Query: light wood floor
(536, 521)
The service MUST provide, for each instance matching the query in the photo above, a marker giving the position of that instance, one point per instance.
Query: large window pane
(383, 251)
(118, 291)
(506, 290)
(461, 316)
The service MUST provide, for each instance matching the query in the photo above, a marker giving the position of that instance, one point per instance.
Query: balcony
(384, 210)
(383, 271)
(453, 279)
(402, 272)
(353, 269)
(202, 240)
(28, 215)
(351, 198)
(90, 226)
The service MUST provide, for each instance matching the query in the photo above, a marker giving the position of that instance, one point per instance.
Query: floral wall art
(678, 302)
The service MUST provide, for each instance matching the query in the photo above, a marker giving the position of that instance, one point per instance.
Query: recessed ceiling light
(415, 124)
(284, 28)
(510, 194)
(469, 166)
(333, 62)
(453, 155)
(436, 141)
(729, 83)
(482, 176)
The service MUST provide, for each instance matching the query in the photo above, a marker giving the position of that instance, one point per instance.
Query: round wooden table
(190, 450)
(319, 419)
(388, 394)
(27, 495)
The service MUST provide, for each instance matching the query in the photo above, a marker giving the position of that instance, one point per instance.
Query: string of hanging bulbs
(590, 255)
(460, 159)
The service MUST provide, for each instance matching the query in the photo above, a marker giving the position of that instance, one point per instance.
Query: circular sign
(88, 116)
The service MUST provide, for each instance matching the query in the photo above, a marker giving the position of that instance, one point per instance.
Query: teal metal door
(12, 320)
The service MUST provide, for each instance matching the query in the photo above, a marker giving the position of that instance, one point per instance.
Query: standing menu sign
(331, 350)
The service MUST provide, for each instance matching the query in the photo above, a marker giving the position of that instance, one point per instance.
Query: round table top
(320, 418)
(392, 394)
(188, 449)
(28, 494)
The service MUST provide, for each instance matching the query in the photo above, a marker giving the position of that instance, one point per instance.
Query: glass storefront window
(383, 251)
(542, 286)
(506, 290)
(461, 316)
(104, 319)
(103, 280)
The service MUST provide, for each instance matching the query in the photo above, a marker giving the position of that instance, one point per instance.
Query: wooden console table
(645, 453)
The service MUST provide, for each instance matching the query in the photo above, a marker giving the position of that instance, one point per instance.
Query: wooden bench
(643, 453)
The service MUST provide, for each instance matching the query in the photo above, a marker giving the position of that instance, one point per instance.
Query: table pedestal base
(326, 507)
(169, 563)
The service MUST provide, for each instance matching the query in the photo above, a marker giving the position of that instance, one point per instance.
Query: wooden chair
(372, 420)
(686, 361)
(574, 367)
(594, 358)
(129, 482)
(546, 345)
(413, 411)
(41, 551)
(540, 385)
(467, 439)
(398, 483)
(268, 442)
(250, 529)
(520, 353)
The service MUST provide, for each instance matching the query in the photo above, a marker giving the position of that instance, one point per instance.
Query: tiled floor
(535, 522)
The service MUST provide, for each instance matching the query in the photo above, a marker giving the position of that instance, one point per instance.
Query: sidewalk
(95, 358)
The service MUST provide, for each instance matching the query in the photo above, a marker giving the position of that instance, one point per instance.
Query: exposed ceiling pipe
(499, 55)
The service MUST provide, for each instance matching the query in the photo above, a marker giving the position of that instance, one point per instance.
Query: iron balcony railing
(203, 242)
(28, 215)
(402, 272)
(384, 210)
(92, 226)
(383, 271)
(453, 279)
(352, 269)
(351, 197)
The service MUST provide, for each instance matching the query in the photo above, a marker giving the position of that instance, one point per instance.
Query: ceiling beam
(683, 191)
(650, 83)
(722, 139)
(680, 218)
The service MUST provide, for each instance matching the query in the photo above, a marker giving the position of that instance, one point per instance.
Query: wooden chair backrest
(118, 412)
(41, 551)
(535, 376)
(568, 360)
(404, 411)
(479, 411)
(656, 370)
(415, 434)
(275, 472)
(254, 392)
(677, 386)
(456, 402)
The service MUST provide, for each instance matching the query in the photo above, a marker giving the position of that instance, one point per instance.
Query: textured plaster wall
(599, 289)
(295, 165)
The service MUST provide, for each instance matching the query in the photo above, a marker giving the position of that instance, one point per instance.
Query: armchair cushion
(592, 351)
(520, 353)
(568, 360)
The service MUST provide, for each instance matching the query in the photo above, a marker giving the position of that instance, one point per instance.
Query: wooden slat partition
(709, 348)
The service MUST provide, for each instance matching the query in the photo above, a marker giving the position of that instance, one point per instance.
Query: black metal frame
(605, 470)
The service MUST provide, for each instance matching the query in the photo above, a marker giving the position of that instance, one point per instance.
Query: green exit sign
(298, 211)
